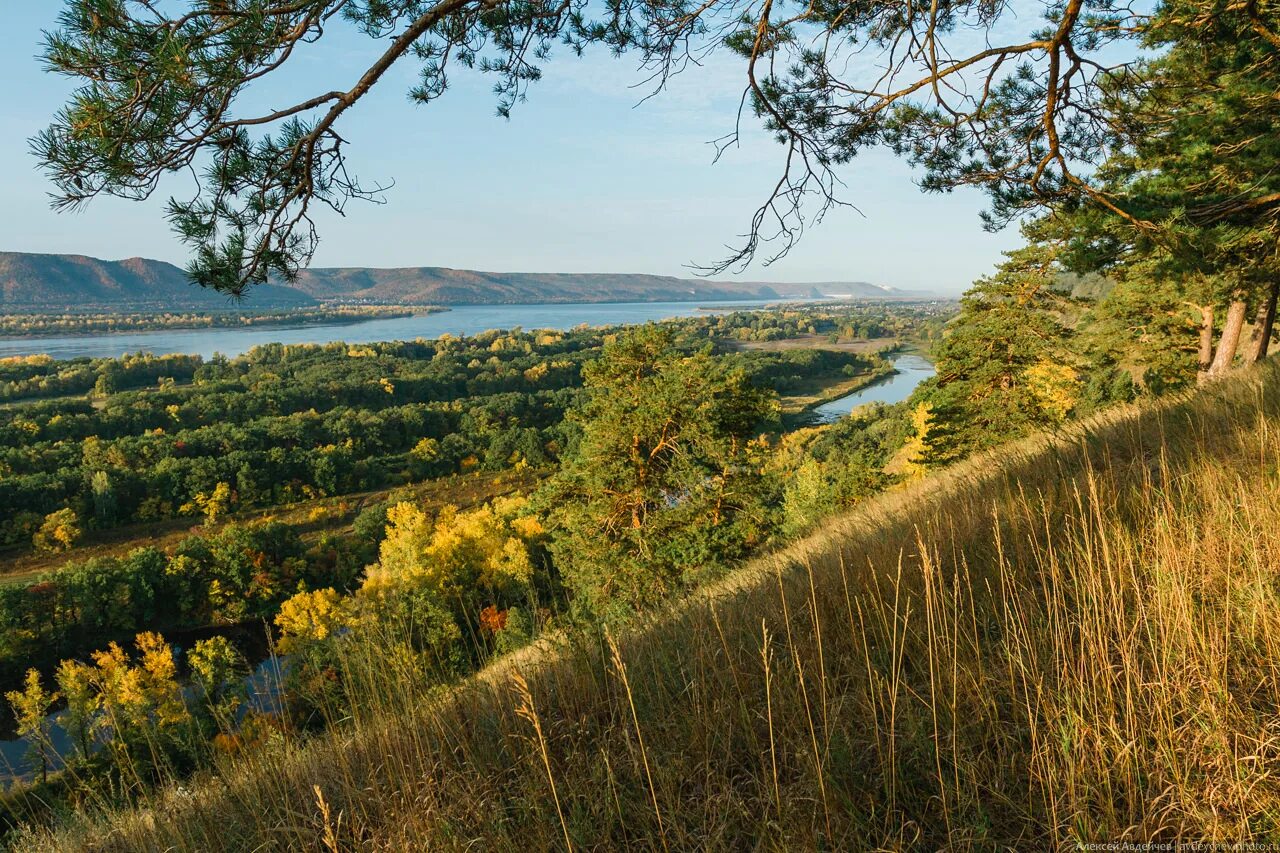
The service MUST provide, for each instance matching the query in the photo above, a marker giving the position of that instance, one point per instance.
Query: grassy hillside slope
(1072, 639)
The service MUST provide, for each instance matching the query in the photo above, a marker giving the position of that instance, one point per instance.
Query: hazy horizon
(686, 275)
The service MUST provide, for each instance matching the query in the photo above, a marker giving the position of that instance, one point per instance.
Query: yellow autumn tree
(59, 532)
(1055, 387)
(426, 450)
(159, 680)
(141, 711)
(31, 706)
(215, 505)
(459, 552)
(911, 460)
(310, 617)
(440, 574)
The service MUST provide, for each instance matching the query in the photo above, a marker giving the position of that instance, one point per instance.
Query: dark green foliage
(1148, 328)
(1005, 367)
(1186, 207)
(791, 371)
(238, 574)
(284, 423)
(280, 424)
(662, 489)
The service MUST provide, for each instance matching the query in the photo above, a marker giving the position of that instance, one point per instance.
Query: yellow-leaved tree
(59, 532)
(310, 617)
(31, 706)
(1055, 387)
(911, 460)
(215, 505)
(446, 590)
(472, 557)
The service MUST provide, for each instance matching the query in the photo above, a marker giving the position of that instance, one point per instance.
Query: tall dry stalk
(529, 711)
(621, 669)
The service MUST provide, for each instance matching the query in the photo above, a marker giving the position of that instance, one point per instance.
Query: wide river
(462, 320)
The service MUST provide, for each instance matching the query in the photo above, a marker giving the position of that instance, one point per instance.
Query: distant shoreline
(73, 324)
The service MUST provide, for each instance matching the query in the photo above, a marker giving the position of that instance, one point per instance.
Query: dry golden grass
(1071, 639)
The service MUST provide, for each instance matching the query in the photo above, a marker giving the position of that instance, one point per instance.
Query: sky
(584, 177)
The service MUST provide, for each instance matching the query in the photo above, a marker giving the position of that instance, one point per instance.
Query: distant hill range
(75, 282)
(444, 286)
(30, 282)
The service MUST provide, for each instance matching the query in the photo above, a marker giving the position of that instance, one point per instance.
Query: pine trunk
(1230, 340)
(1263, 325)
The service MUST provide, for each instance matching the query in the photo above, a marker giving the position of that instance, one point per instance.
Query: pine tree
(1192, 188)
(664, 486)
(1005, 366)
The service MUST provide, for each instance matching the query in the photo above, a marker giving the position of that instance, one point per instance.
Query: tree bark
(1263, 325)
(1230, 340)
(1206, 339)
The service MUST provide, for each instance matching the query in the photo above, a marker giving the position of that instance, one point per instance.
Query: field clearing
(824, 391)
(311, 518)
(861, 346)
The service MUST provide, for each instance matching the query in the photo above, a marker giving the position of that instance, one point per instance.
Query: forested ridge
(33, 283)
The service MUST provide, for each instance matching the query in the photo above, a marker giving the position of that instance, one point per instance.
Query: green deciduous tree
(104, 497)
(218, 670)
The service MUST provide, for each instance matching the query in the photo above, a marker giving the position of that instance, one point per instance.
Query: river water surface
(912, 370)
(462, 320)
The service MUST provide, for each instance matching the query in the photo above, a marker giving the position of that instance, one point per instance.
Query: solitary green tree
(104, 497)
(664, 486)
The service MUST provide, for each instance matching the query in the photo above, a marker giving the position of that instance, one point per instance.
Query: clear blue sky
(580, 179)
